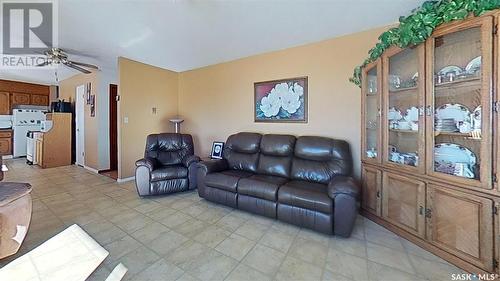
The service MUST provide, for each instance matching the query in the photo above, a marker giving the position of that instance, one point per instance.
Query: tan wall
(217, 101)
(67, 91)
(142, 87)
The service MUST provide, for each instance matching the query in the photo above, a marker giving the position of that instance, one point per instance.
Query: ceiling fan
(58, 56)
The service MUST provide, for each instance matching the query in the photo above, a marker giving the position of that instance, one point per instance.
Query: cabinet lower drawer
(5, 134)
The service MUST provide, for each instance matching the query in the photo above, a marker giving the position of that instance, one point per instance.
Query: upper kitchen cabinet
(459, 96)
(4, 103)
(20, 99)
(39, 100)
(13, 93)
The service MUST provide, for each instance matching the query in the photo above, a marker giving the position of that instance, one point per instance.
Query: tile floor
(183, 237)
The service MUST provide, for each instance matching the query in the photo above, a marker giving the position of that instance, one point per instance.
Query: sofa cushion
(168, 186)
(261, 186)
(318, 159)
(226, 180)
(307, 195)
(169, 172)
(242, 151)
(276, 152)
(277, 145)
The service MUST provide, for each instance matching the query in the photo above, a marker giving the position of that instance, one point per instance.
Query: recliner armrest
(343, 185)
(188, 160)
(149, 162)
(213, 165)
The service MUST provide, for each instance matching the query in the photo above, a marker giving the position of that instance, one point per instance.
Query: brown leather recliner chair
(168, 165)
(305, 181)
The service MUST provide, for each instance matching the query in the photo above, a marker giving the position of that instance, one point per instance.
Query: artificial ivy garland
(419, 25)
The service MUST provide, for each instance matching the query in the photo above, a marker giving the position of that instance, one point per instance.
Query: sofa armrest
(190, 159)
(344, 192)
(343, 185)
(149, 162)
(213, 165)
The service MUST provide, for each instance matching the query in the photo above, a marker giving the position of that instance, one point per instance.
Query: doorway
(80, 125)
(113, 133)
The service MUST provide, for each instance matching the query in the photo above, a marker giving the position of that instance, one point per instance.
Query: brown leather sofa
(168, 165)
(305, 181)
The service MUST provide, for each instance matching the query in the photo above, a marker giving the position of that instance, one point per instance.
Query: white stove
(23, 121)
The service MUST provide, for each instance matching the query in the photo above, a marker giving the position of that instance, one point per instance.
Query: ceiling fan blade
(45, 63)
(69, 64)
(77, 53)
(84, 64)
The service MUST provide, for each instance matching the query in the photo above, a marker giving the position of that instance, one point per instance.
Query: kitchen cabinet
(5, 142)
(13, 93)
(39, 100)
(4, 103)
(53, 148)
(20, 99)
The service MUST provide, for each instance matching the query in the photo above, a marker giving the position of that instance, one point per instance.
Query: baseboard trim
(125, 179)
(91, 169)
(7, 157)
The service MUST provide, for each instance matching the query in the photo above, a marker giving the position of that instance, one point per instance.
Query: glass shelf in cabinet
(459, 83)
(402, 90)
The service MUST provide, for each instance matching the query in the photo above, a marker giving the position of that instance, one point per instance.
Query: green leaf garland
(415, 28)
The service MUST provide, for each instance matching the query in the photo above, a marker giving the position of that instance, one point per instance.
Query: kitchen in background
(34, 124)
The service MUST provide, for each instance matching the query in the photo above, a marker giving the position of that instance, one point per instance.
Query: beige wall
(217, 101)
(142, 87)
(67, 91)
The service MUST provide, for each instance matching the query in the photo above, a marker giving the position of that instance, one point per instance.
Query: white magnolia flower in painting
(270, 104)
(281, 90)
(291, 101)
(299, 90)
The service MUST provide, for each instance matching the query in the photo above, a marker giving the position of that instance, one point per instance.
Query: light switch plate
(125, 120)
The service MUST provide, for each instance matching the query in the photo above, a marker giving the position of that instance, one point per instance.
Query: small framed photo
(217, 148)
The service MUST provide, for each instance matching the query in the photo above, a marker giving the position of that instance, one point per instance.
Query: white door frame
(80, 125)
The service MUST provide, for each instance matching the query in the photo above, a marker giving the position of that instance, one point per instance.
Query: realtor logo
(28, 27)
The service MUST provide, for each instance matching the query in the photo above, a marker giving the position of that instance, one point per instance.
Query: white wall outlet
(125, 120)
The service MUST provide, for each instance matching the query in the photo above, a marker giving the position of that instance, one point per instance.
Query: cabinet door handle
(428, 213)
(421, 210)
(378, 194)
(379, 112)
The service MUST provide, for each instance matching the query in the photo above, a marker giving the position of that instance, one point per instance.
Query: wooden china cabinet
(430, 138)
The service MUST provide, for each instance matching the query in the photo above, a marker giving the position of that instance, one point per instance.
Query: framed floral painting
(281, 100)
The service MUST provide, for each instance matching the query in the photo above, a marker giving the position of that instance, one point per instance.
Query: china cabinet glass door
(459, 103)
(371, 100)
(404, 102)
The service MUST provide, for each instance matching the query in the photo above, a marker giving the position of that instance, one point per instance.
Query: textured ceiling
(182, 35)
